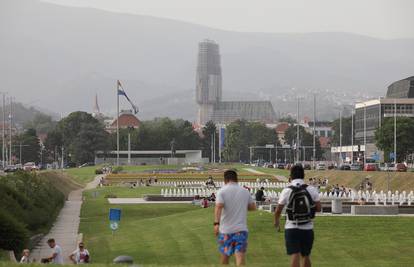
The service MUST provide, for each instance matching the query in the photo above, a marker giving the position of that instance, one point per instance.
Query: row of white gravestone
(187, 192)
(395, 198)
(221, 184)
(378, 198)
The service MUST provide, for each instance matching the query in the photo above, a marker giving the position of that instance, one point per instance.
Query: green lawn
(178, 234)
(82, 175)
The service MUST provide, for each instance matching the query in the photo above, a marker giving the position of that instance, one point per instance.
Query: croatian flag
(121, 91)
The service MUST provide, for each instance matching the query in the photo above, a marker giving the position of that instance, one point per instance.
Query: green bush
(13, 235)
(29, 204)
(98, 171)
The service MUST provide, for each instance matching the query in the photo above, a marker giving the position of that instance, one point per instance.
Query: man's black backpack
(301, 207)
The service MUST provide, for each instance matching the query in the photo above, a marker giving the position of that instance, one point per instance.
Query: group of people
(339, 190)
(230, 217)
(318, 183)
(366, 184)
(79, 256)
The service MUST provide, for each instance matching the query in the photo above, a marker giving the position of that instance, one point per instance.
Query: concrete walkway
(65, 229)
(278, 177)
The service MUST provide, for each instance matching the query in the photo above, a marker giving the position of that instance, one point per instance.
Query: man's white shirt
(234, 215)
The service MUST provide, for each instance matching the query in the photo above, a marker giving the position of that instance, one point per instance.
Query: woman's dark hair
(230, 175)
(297, 172)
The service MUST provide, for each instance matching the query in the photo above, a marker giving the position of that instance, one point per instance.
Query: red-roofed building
(325, 141)
(126, 120)
(281, 130)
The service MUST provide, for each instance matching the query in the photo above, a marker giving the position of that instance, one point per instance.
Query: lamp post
(352, 137)
(365, 134)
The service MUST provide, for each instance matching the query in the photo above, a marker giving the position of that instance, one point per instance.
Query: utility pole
(352, 137)
(340, 136)
(211, 148)
(63, 152)
(395, 132)
(214, 146)
(314, 131)
(297, 134)
(4, 132)
(276, 152)
(129, 148)
(20, 151)
(365, 134)
(10, 127)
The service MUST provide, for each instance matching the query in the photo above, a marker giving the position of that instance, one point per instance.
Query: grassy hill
(397, 180)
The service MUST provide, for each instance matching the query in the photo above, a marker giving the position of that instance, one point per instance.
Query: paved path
(279, 177)
(142, 201)
(65, 229)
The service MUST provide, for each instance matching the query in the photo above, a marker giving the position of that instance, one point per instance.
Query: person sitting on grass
(25, 257)
(302, 202)
(230, 224)
(80, 255)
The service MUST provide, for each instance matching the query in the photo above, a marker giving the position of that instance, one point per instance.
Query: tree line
(80, 135)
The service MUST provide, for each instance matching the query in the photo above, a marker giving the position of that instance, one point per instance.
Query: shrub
(98, 171)
(13, 235)
(28, 205)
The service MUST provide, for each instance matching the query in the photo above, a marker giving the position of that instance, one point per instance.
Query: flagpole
(4, 132)
(117, 124)
(11, 123)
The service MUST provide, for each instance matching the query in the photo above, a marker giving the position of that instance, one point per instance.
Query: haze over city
(325, 47)
(207, 133)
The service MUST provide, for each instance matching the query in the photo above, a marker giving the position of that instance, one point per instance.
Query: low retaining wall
(162, 198)
(373, 210)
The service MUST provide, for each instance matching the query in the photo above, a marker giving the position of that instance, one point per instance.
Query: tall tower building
(209, 93)
(208, 79)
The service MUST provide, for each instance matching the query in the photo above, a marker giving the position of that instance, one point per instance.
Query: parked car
(400, 167)
(345, 167)
(356, 167)
(321, 167)
(10, 168)
(29, 166)
(307, 166)
(370, 167)
(280, 166)
(331, 167)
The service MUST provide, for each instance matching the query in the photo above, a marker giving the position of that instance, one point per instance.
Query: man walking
(230, 224)
(302, 202)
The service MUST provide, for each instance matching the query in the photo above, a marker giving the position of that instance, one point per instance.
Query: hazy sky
(377, 18)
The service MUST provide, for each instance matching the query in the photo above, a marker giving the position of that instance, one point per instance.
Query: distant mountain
(62, 56)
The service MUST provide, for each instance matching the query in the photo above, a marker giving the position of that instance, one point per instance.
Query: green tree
(30, 146)
(240, 135)
(305, 140)
(384, 137)
(157, 134)
(81, 135)
(346, 131)
(289, 119)
(208, 131)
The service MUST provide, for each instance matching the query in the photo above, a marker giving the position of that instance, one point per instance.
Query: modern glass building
(369, 115)
(402, 89)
